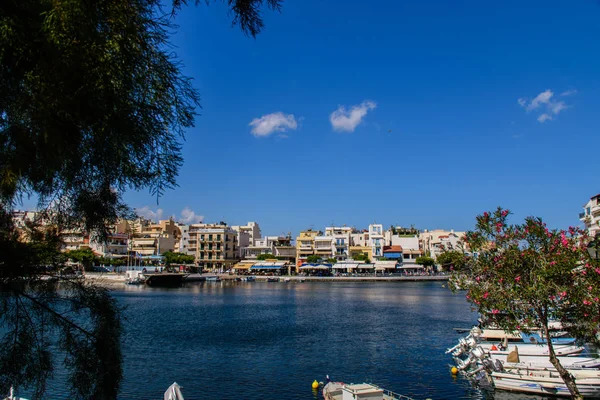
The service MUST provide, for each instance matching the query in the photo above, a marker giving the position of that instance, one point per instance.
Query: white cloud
(190, 217)
(147, 212)
(347, 120)
(558, 106)
(275, 122)
(544, 117)
(542, 98)
(547, 106)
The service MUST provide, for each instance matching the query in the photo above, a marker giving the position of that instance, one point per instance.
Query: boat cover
(173, 392)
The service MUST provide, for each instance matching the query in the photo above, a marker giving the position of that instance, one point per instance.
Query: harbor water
(259, 340)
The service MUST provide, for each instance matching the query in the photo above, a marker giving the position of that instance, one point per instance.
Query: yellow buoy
(454, 370)
(315, 384)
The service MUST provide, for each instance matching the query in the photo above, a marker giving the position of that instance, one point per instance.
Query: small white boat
(173, 392)
(361, 391)
(536, 350)
(213, 279)
(11, 395)
(545, 383)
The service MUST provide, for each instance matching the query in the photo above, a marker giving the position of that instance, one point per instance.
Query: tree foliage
(92, 103)
(313, 259)
(268, 256)
(332, 260)
(85, 257)
(177, 258)
(425, 261)
(361, 257)
(452, 259)
(526, 275)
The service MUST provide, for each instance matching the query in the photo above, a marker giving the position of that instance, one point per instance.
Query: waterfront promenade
(112, 278)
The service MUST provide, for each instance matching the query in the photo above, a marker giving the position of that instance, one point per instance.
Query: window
(201, 237)
(210, 237)
(218, 237)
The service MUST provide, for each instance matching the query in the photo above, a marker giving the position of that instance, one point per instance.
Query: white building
(247, 236)
(376, 240)
(341, 242)
(437, 241)
(591, 215)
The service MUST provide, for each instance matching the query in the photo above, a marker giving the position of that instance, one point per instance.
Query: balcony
(581, 215)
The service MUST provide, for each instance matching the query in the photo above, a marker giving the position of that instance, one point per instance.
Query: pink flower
(485, 214)
(477, 279)
(485, 295)
(597, 270)
(495, 311)
(518, 327)
(498, 227)
(587, 302)
(552, 262)
(501, 280)
(563, 294)
(518, 279)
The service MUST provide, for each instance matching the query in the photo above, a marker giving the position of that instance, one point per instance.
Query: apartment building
(247, 236)
(437, 241)
(153, 239)
(215, 246)
(341, 242)
(305, 245)
(591, 215)
(278, 246)
(115, 246)
(376, 240)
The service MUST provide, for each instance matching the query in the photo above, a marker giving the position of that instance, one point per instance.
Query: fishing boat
(214, 278)
(361, 391)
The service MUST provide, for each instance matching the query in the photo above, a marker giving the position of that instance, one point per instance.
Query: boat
(164, 278)
(361, 391)
(214, 278)
(545, 383)
(173, 392)
(514, 360)
(11, 395)
(250, 279)
(272, 279)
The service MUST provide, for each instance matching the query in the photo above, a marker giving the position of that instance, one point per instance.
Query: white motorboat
(545, 383)
(361, 391)
(465, 345)
(535, 350)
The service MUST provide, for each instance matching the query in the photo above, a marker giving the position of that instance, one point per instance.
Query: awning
(261, 266)
(242, 266)
(345, 265)
(323, 267)
(415, 266)
(365, 266)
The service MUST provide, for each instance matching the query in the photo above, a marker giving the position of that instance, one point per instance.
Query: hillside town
(220, 247)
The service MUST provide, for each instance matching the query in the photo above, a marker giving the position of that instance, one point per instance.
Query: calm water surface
(271, 340)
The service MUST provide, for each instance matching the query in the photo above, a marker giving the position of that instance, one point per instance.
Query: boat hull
(588, 387)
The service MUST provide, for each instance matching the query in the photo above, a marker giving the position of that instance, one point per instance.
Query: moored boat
(361, 391)
(164, 278)
(545, 383)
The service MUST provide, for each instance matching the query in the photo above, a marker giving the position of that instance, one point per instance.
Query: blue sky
(488, 103)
